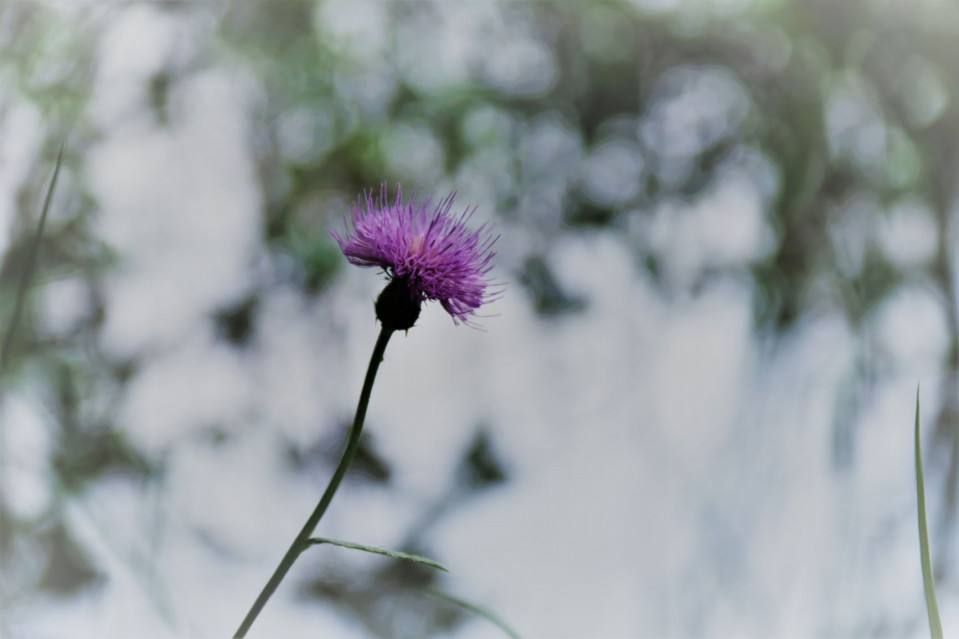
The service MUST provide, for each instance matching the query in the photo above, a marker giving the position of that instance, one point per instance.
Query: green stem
(29, 265)
(928, 581)
(302, 541)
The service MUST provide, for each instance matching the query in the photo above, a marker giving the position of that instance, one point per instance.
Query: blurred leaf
(877, 278)
(84, 455)
(276, 39)
(928, 583)
(88, 451)
(319, 257)
(480, 467)
(159, 91)
(236, 324)
(587, 214)
(67, 569)
(395, 554)
(48, 59)
(480, 610)
(323, 454)
(548, 298)
(370, 464)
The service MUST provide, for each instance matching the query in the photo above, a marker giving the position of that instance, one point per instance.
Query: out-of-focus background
(729, 239)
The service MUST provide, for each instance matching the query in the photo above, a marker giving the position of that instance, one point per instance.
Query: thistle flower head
(428, 252)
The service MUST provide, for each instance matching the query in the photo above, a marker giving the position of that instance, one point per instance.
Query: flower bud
(397, 307)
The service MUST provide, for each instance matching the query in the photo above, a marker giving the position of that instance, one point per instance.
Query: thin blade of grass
(31, 262)
(932, 609)
(479, 610)
(380, 551)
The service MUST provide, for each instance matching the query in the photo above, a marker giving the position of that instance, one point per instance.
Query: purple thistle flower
(424, 249)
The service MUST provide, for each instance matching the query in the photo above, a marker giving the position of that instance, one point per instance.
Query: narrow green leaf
(380, 551)
(28, 269)
(935, 626)
(479, 610)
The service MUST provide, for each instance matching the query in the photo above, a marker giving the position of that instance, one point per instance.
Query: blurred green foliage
(835, 101)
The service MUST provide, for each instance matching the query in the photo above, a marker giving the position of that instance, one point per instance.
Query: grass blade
(935, 626)
(479, 610)
(380, 551)
(31, 262)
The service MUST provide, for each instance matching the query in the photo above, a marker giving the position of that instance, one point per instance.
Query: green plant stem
(302, 541)
(928, 581)
(29, 263)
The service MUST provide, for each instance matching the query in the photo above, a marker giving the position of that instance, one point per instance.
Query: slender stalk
(29, 264)
(302, 541)
(928, 581)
